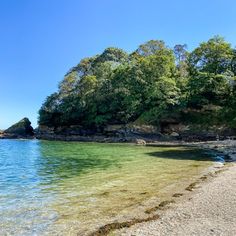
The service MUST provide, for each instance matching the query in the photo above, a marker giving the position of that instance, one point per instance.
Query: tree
(159, 92)
(68, 84)
(151, 47)
(205, 89)
(49, 114)
(113, 55)
(213, 56)
(181, 54)
(233, 63)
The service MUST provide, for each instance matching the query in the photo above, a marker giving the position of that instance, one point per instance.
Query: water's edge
(222, 163)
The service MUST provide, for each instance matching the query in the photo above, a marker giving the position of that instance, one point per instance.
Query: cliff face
(21, 129)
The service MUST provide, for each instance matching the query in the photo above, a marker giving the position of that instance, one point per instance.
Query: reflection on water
(61, 188)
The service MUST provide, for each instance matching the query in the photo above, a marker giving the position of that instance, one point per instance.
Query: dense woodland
(150, 84)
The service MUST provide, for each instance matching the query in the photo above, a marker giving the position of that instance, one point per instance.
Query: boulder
(140, 142)
(174, 134)
(21, 128)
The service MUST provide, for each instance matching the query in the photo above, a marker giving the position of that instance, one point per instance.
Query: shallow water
(69, 188)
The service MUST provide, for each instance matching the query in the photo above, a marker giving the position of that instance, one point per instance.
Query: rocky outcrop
(21, 129)
(110, 133)
(171, 131)
(74, 133)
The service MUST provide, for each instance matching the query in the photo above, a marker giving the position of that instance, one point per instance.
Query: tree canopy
(152, 82)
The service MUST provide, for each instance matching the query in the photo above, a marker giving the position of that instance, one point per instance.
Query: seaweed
(160, 206)
(192, 186)
(106, 229)
(177, 194)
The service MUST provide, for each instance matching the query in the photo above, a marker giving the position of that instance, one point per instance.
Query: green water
(62, 188)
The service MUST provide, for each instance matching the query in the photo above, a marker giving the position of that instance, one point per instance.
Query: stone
(21, 128)
(140, 142)
(113, 128)
(174, 134)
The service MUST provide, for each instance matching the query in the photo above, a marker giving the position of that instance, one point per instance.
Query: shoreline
(156, 214)
(208, 209)
(155, 211)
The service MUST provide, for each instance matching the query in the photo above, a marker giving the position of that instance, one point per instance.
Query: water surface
(69, 188)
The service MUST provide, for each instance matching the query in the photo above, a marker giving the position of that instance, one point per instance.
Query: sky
(41, 40)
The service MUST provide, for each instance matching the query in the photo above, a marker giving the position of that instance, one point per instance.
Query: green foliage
(48, 113)
(113, 55)
(150, 48)
(214, 56)
(151, 83)
(206, 88)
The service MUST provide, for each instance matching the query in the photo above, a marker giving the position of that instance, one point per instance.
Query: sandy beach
(210, 209)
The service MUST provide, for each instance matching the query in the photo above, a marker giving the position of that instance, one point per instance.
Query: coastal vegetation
(147, 86)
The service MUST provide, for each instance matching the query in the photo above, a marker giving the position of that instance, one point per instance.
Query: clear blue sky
(41, 39)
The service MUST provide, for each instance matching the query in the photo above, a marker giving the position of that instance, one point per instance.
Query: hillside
(172, 90)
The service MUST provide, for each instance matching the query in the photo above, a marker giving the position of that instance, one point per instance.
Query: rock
(140, 142)
(174, 134)
(43, 131)
(21, 128)
(113, 128)
(110, 133)
(142, 129)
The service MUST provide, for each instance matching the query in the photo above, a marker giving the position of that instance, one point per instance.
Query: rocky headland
(21, 129)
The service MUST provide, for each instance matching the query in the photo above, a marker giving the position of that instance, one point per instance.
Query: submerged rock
(21, 128)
